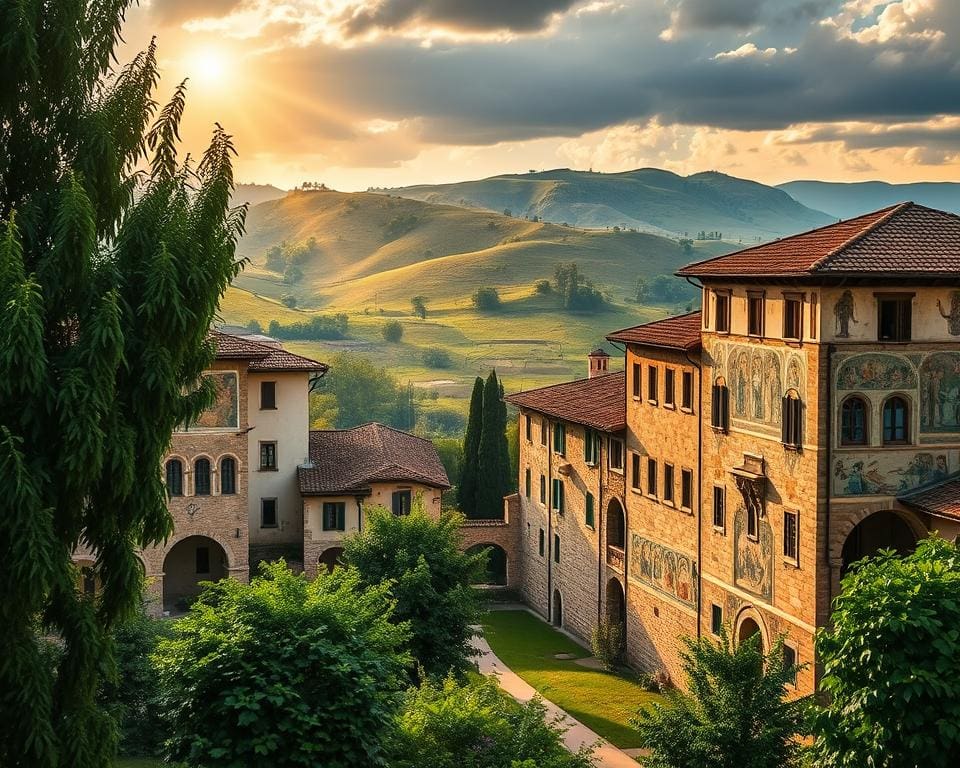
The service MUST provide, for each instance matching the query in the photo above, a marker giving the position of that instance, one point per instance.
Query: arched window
(175, 477)
(201, 477)
(792, 427)
(853, 421)
(228, 476)
(896, 421)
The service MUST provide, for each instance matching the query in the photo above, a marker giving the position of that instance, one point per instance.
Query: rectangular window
(268, 513)
(528, 427)
(268, 395)
(755, 310)
(616, 455)
(719, 507)
(203, 559)
(559, 439)
(636, 380)
(894, 317)
(526, 482)
(556, 547)
(268, 456)
(792, 316)
(591, 447)
(721, 312)
(668, 483)
(669, 387)
(543, 490)
(400, 502)
(686, 391)
(792, 429)
(813, 315)
(790, 660)
(590, 512)
(720, 407)
(716, 619)
(791, 536)
(557, 496)
(544, 431)
(541, 542)
(334, 515)
(651, 477)
(635, 471)
(652, 386)
(686, 488)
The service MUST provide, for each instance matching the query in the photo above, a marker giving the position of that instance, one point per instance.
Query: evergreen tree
(109, 280)
(467, 490)
(493, 456)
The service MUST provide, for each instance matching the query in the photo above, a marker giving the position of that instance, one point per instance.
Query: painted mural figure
(741, 389)
(774, 392)
(756, 390)
(844, 313)
(952, 317)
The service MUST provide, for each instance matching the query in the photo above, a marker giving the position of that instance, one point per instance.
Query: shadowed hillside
(648, 199)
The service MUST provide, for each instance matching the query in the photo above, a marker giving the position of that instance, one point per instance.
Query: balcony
(615, 557)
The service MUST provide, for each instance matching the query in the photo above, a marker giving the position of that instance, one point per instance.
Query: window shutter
(786, 408)
(341, 517)
(715, 407)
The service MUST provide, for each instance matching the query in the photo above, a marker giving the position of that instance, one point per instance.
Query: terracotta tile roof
(599, 403)
(681, 332)
(347, 461)
(942, 499)
(904, 239)
(262, 357)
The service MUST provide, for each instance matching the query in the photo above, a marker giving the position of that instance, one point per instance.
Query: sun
(209, 68)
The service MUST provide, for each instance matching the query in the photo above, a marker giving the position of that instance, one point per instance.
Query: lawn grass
(602, 701)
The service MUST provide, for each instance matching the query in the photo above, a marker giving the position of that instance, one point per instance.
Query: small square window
(791, 536)
(716, 619)
(686, 391)
(268, 513)
(755, 309)
(686, 488)
(669, 387)
(268, 395)
(616, 455)
(719, 507)
(668, 483)
(635, 471)
(722, 312)
(400, 502)
(635, 380)
(793, 317)
(652, 385)
(895, 318)
(268, 456)
(651, 477)
(334, 515)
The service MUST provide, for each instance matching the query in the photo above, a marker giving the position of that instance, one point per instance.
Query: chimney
(599, 361)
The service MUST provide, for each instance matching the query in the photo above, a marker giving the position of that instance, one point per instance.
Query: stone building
(350, 469)
(809, 416)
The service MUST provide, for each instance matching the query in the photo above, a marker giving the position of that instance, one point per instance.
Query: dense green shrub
(317, 327)
(606, 641)
(392, 331)
(288, 300)
(891, 663)
(435, 357)
(486, 299)
(283, 672)
(476, 725)
(430, 578)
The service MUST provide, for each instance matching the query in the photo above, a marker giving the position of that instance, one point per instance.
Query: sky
(375, 93)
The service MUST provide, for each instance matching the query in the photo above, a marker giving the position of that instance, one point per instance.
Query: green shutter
(590, 510)
(341, 517)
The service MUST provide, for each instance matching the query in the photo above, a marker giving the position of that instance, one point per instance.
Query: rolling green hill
(846, 200)
(647, 199)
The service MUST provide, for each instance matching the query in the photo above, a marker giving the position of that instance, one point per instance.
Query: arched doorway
(616, 525)
(882, 530)
(616, 603)
(749, 628)
(557, 609)
(495, 573)
(330, 558)
(189, 562)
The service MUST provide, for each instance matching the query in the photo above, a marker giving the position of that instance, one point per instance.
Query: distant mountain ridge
(254, 194)
(647, 199)
(846, 200)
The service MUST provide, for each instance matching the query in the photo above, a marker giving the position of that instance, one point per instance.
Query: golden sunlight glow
(210, 68)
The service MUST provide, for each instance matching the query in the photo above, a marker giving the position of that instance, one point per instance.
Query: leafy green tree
(364, 392)
(736, 715)
(642, 291)
(435, 357)
(292, 274)
(493, 462)
(452, 725)
(392, 331)
(109, 279)
(486, 299)
(288, 300)
(276, 262)
(419, 304)
(891, 663)
(254, 326)
(430, 580)
(450, 451)
(283, 672)
(470, 469)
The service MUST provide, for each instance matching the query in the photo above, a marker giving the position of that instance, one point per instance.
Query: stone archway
(748, 624)
(192, 560)
(557, 617)
(495, 573)
(330, 558)
(616, 525)
(616, 603)
(885, 529)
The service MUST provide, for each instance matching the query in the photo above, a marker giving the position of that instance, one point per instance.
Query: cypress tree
(109, 279)
(469, 471)
(493, 455)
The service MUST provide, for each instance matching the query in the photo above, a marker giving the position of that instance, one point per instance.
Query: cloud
(696, 15)
(464, 15)
(179, 11)
(749, 50)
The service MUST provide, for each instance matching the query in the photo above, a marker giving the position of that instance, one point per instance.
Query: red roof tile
(942, 500)
(599, 403)
(904, 239)
(681, 332)
(262, 357)
(347, 461)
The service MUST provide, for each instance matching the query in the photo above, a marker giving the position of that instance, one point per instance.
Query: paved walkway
(607, 755)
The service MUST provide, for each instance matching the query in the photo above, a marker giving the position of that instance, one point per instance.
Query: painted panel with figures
(892, 473)
(669, 572)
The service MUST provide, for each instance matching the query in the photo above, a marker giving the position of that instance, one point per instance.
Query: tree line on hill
(289, 259)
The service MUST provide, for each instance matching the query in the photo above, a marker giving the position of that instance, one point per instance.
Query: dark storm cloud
(176, 11)
(946, 137)
(467, 15)
(716, 14)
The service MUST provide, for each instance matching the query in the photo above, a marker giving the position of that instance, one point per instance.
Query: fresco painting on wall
(868, 476)
(753, 560)
(953, 316)
(758, 378)
(940, 393)
(224, 413)
(669, 572)
(876, 372)
(844, 314)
